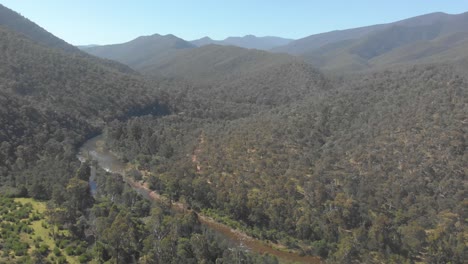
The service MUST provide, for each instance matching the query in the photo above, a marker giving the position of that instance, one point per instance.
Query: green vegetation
(52, 101)
(128, 227)
(325, 171)
(359, 168)
(118, 227)
(25, 236)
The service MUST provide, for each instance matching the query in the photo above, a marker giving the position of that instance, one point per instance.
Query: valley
(93, 150)
(346, 146)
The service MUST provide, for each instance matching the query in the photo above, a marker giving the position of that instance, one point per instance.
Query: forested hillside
(395, 45)
(215, 63)
(13, 21)
(360, 167)
(314, 42)
(333, 166)
(429, 38)
(20, 24)
(229, 82)
(143, 51)
(372, 171)
(53, 100)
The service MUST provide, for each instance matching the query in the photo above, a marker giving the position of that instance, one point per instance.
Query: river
(94, 149)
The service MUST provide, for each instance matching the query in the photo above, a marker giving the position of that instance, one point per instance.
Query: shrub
(57, 252)
(84, 258)
(79, 250)
(44, 249)
(35, 217)
(70, 251)
(62, 260)
(63, 243)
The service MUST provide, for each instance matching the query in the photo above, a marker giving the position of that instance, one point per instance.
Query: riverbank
(93, 149)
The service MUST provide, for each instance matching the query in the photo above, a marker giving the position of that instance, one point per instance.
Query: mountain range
(248, 42)
(337, 131)
(424, 38)
(142, 51)
(348, 145)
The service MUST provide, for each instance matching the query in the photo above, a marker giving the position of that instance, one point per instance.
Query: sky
(82, 22)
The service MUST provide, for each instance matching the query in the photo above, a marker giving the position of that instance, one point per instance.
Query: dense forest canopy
(354, 166)
(53, 100)
(383, 152)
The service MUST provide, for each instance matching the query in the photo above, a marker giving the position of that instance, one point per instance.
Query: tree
(122, 238)
(78, 196)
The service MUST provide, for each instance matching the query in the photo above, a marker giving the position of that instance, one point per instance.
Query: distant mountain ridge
(147, 51)
(427, 38)
(316, 41)
(319, 40)
(142, 51)
(87, 46)
(248, 42)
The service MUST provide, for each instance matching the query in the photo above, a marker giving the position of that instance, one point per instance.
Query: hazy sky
(115, 21)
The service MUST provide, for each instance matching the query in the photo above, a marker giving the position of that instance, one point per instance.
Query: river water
(94, 149)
